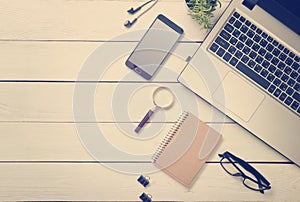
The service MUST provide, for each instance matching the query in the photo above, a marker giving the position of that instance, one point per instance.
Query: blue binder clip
(143, 180)
(146, 197)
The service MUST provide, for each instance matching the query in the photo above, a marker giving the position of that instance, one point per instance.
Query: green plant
(202, 11)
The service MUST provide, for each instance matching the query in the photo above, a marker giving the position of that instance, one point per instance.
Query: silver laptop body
(221, 75)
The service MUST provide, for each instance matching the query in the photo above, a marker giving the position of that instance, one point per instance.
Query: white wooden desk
(43, 45)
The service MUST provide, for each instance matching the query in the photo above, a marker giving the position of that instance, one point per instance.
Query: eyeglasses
(237, 167)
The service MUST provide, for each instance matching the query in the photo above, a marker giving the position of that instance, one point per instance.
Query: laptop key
(292, 55)
(227, 57)
(236, 33)
(231, 20)
(253, 75)
(214, 47)
(264, 73)
(277, 82)
(281, 65)
(225, 35)
(239, 45)
(243, 38)
(220, 52)
(294, 75)
(257, 68)
(245, 59)
(229, 28)
(270, 47)
(283, 87)
(251, 63)
(289, 61)
(264, 35)
(288, 70)
(295, 105)
(236, 14)
(258, 31)
(282, 96)
(262, 51)
(271, 88)
(244, 29)
(296, 96)
(255, 47)
(256, 38)
(253, 27)
(271, 78)
(233, 40)
(233, 61)
(290, 91)
(282, 56)
(288, 101)
(295, 66)
(265, 64)
(231, 49)
(238, 54)
(284, 78)
(237, 24)
(291, 82)
(270, 39)
(242, 19)
(249, 42)
(222, 42)
(272, 68)
(263, 43)
(268, 56)
(286, 51)
(250, 33)
(276, 52)
(281, 47)
(246, 50)
(277, 92)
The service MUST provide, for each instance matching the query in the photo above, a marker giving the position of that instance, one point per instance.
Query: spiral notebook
(186, 148)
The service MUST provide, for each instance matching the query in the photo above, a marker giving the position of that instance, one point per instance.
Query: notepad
(186, 148)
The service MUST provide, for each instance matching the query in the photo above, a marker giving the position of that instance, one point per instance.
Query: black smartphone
(154, 47)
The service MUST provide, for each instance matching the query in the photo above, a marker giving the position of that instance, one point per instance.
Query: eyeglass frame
(261, 181)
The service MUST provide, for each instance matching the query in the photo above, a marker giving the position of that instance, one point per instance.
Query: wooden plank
(63, 61)
(95, 182)
(56, 102)
(61, 142)
(86, 20)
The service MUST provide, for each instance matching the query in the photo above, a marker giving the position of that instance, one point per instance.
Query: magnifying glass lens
(163, 98)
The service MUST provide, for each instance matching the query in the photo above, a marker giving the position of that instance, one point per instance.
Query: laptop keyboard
(254, 53)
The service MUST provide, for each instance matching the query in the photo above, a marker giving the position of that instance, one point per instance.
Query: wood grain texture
(63, 61)
(97, 182)
(55, 102)
(62, 142)
(86, 20)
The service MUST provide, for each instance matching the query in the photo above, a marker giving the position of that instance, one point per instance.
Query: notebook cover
(183, 155)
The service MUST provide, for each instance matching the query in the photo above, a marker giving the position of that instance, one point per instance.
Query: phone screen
(154, 47)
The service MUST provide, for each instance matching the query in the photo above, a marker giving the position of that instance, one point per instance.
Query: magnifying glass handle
(145, 119)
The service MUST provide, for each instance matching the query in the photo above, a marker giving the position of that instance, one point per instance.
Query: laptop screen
(286, 11)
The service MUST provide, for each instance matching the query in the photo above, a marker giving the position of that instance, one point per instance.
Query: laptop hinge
(250, 3)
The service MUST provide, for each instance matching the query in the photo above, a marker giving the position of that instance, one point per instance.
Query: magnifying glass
(162, 98)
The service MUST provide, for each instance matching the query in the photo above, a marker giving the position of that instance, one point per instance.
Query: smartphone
(154, 47)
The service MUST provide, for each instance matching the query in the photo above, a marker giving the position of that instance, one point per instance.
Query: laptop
(248, 68)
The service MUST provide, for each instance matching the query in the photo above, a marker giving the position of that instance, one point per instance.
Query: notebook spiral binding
(170, 136)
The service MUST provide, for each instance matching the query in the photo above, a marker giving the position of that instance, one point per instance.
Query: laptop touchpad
(238, 97)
